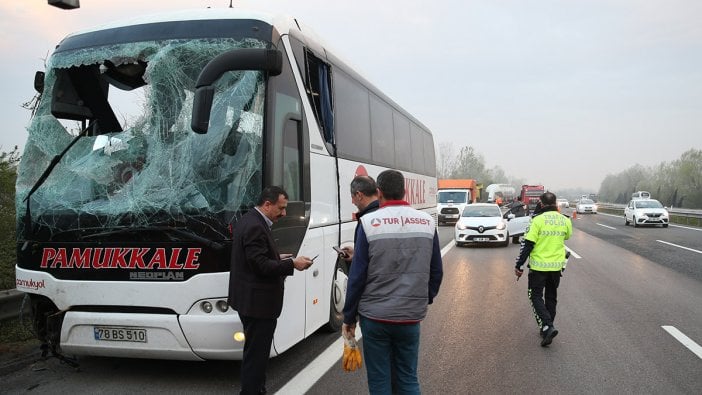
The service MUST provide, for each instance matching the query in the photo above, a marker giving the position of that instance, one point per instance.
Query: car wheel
(665, 225)
(515, 239)
(626, 221)
(633, 219)
(338, 296)
(459, 244)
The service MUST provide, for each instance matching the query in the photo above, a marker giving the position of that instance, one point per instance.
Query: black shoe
(548, 335)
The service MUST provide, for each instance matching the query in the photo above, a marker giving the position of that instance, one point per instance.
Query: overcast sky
(555, 92)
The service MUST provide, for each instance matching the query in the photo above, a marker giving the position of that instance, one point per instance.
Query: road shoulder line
(686, 341)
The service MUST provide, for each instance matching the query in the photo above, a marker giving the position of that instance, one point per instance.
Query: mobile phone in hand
(339, 251)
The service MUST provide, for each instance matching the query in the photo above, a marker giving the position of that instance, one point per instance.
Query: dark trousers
(543, 294)
(258, 333)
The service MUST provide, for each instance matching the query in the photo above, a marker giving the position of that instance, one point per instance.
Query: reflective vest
(548, 231)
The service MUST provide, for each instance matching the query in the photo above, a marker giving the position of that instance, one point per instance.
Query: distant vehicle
(562, 203)
(641, 195)
(452, 198)
(646, 212)
(585, 206)
(504, 192)
(530, 195)
(481, 223)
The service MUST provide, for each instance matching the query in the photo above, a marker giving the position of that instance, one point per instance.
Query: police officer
(544, 246)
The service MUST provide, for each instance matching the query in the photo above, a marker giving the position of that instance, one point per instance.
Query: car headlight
(501, 226)
(460, 226)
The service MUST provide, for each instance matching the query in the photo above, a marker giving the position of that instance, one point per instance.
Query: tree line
(468, 163)
(674, 184)
(8, 176)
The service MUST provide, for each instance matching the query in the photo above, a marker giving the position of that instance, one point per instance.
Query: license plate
(452, 216)
(481, 239)
(119, 334)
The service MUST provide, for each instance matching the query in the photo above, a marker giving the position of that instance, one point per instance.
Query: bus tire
(338, 296)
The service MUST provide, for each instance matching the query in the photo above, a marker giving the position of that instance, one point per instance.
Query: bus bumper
(193, 338)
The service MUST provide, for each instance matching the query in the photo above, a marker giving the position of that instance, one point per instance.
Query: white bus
(125, 214)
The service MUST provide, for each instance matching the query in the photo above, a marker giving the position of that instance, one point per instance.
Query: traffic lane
(480, 336)
(621, 301)
(498, 348)
(649, 242)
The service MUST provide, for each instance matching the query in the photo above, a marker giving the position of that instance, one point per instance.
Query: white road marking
(310, 374)
(684, 248)
(606, 226)
(573, 254)
(447, 248)
(686, 341)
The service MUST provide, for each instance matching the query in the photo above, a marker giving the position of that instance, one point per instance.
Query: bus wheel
(338, 296)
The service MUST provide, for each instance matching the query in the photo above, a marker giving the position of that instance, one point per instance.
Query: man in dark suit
(256, 283)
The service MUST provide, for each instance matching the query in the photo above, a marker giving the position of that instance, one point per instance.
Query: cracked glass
(148, 169)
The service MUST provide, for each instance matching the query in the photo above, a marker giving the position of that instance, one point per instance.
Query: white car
(562, 203)
(646, 212)
(586, 206)
(485, 223)
(517, 221)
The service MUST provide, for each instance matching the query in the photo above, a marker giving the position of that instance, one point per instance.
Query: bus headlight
(239, 336)
(222, 306)
(206, 307)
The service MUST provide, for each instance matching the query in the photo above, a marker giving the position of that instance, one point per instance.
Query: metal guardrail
(10, 304)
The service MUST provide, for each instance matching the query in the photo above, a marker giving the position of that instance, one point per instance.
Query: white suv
(646, 212)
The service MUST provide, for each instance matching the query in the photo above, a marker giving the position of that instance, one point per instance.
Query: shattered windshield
(144, 167)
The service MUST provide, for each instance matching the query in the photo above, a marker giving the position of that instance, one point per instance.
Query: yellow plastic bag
(352, 355)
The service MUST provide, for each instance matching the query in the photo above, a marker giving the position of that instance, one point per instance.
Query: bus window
(352, 118)
(382, 132)
(292, 183)
(417, 138)
(318, 88)
(403, 160)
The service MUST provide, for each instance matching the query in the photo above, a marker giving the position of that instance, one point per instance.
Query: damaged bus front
(124, 213)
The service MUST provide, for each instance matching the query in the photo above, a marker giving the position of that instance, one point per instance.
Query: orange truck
(452, 197)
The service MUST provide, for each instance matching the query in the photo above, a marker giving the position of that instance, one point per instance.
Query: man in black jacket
(364, 195)
(256, 283)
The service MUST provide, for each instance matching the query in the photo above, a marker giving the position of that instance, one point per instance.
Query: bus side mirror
(267, 60)
(39, 81)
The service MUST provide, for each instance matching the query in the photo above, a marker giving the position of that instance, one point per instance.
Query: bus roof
(280, 22)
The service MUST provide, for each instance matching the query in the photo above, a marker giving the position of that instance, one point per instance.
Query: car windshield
(586, 201)
(648, 204)
(452, 197)
(482, 211)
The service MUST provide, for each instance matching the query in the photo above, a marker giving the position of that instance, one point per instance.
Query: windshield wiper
(54, 161)
(187, 233)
